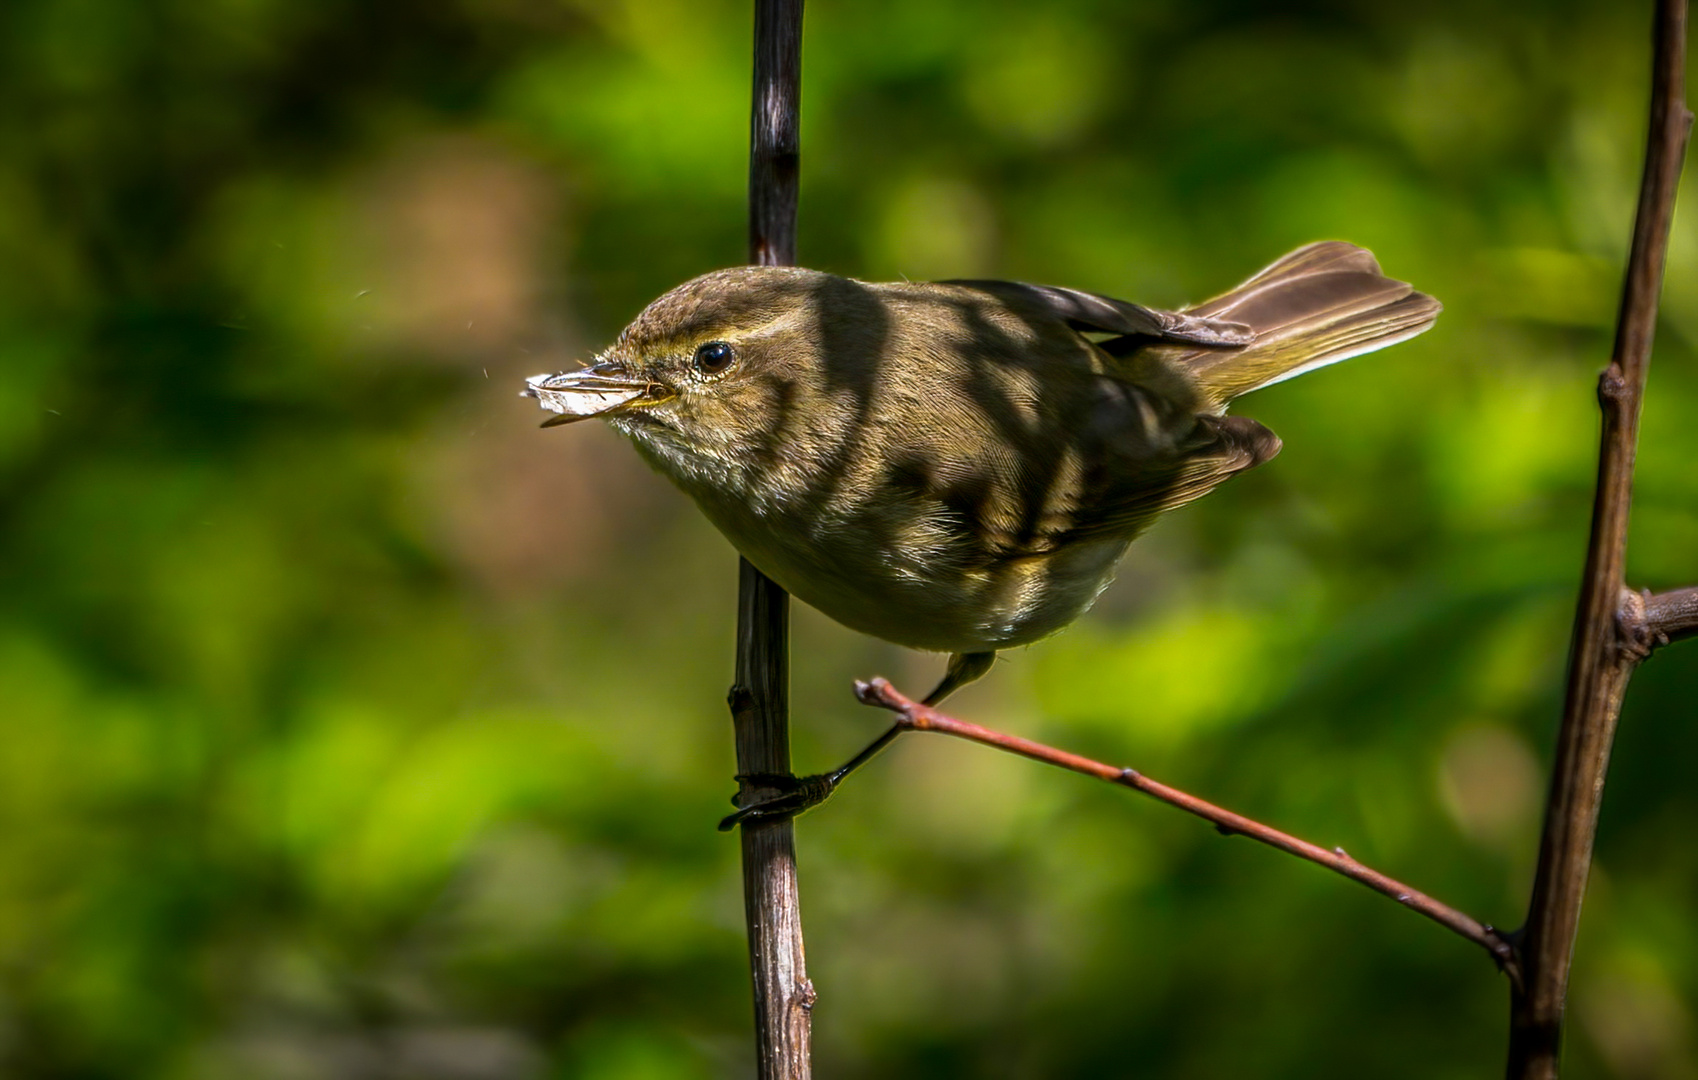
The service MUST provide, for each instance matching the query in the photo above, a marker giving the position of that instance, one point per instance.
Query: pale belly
(917, 595)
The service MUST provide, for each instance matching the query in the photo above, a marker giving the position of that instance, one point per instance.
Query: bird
(958, 466)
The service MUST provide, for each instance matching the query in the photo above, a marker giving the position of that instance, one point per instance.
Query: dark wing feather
(1090, 312)
(1222, 447)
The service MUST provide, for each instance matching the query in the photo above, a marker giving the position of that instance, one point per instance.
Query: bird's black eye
(714, 357)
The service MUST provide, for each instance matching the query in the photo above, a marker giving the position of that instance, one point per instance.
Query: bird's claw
(790, 795)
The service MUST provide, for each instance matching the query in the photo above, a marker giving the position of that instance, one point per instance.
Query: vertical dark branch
(775, 141)
(759, 699)
(1600, 660)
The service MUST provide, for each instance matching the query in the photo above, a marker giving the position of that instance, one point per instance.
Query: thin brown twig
(1605, 649)
(784, 998)
(913, 716)
(1655, 619)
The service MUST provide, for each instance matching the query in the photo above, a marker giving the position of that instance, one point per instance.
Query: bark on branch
(1613, 629)
(1659, 618)
(778, 969)
(913, 716)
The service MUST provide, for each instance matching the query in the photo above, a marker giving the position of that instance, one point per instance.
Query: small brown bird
(957, 466)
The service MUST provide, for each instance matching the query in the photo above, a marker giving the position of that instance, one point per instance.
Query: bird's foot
(788, 796)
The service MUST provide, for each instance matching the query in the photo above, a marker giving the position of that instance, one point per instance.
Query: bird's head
(726, 373)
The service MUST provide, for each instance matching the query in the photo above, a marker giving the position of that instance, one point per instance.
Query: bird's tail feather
(1320, 304)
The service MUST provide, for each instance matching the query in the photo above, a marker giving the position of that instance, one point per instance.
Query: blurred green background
(355, 728)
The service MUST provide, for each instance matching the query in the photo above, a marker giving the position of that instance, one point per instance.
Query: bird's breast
(920, 571)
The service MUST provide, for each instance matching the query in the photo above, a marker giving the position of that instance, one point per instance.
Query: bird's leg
(964, 667)
(795, 794)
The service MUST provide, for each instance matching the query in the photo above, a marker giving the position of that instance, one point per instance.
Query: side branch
(913, 716)
(1655, 619)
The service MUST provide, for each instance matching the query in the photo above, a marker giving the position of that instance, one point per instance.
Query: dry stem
(784, 997)
(913, 716)
(1613, 628)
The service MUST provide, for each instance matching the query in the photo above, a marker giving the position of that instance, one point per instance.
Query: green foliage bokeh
(352, 727)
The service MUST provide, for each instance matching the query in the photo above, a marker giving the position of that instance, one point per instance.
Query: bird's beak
(591, 391)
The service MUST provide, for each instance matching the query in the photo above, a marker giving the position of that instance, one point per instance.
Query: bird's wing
(1090, 312)
(1131, 498)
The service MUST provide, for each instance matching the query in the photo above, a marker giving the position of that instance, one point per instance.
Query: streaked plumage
(958, 466)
